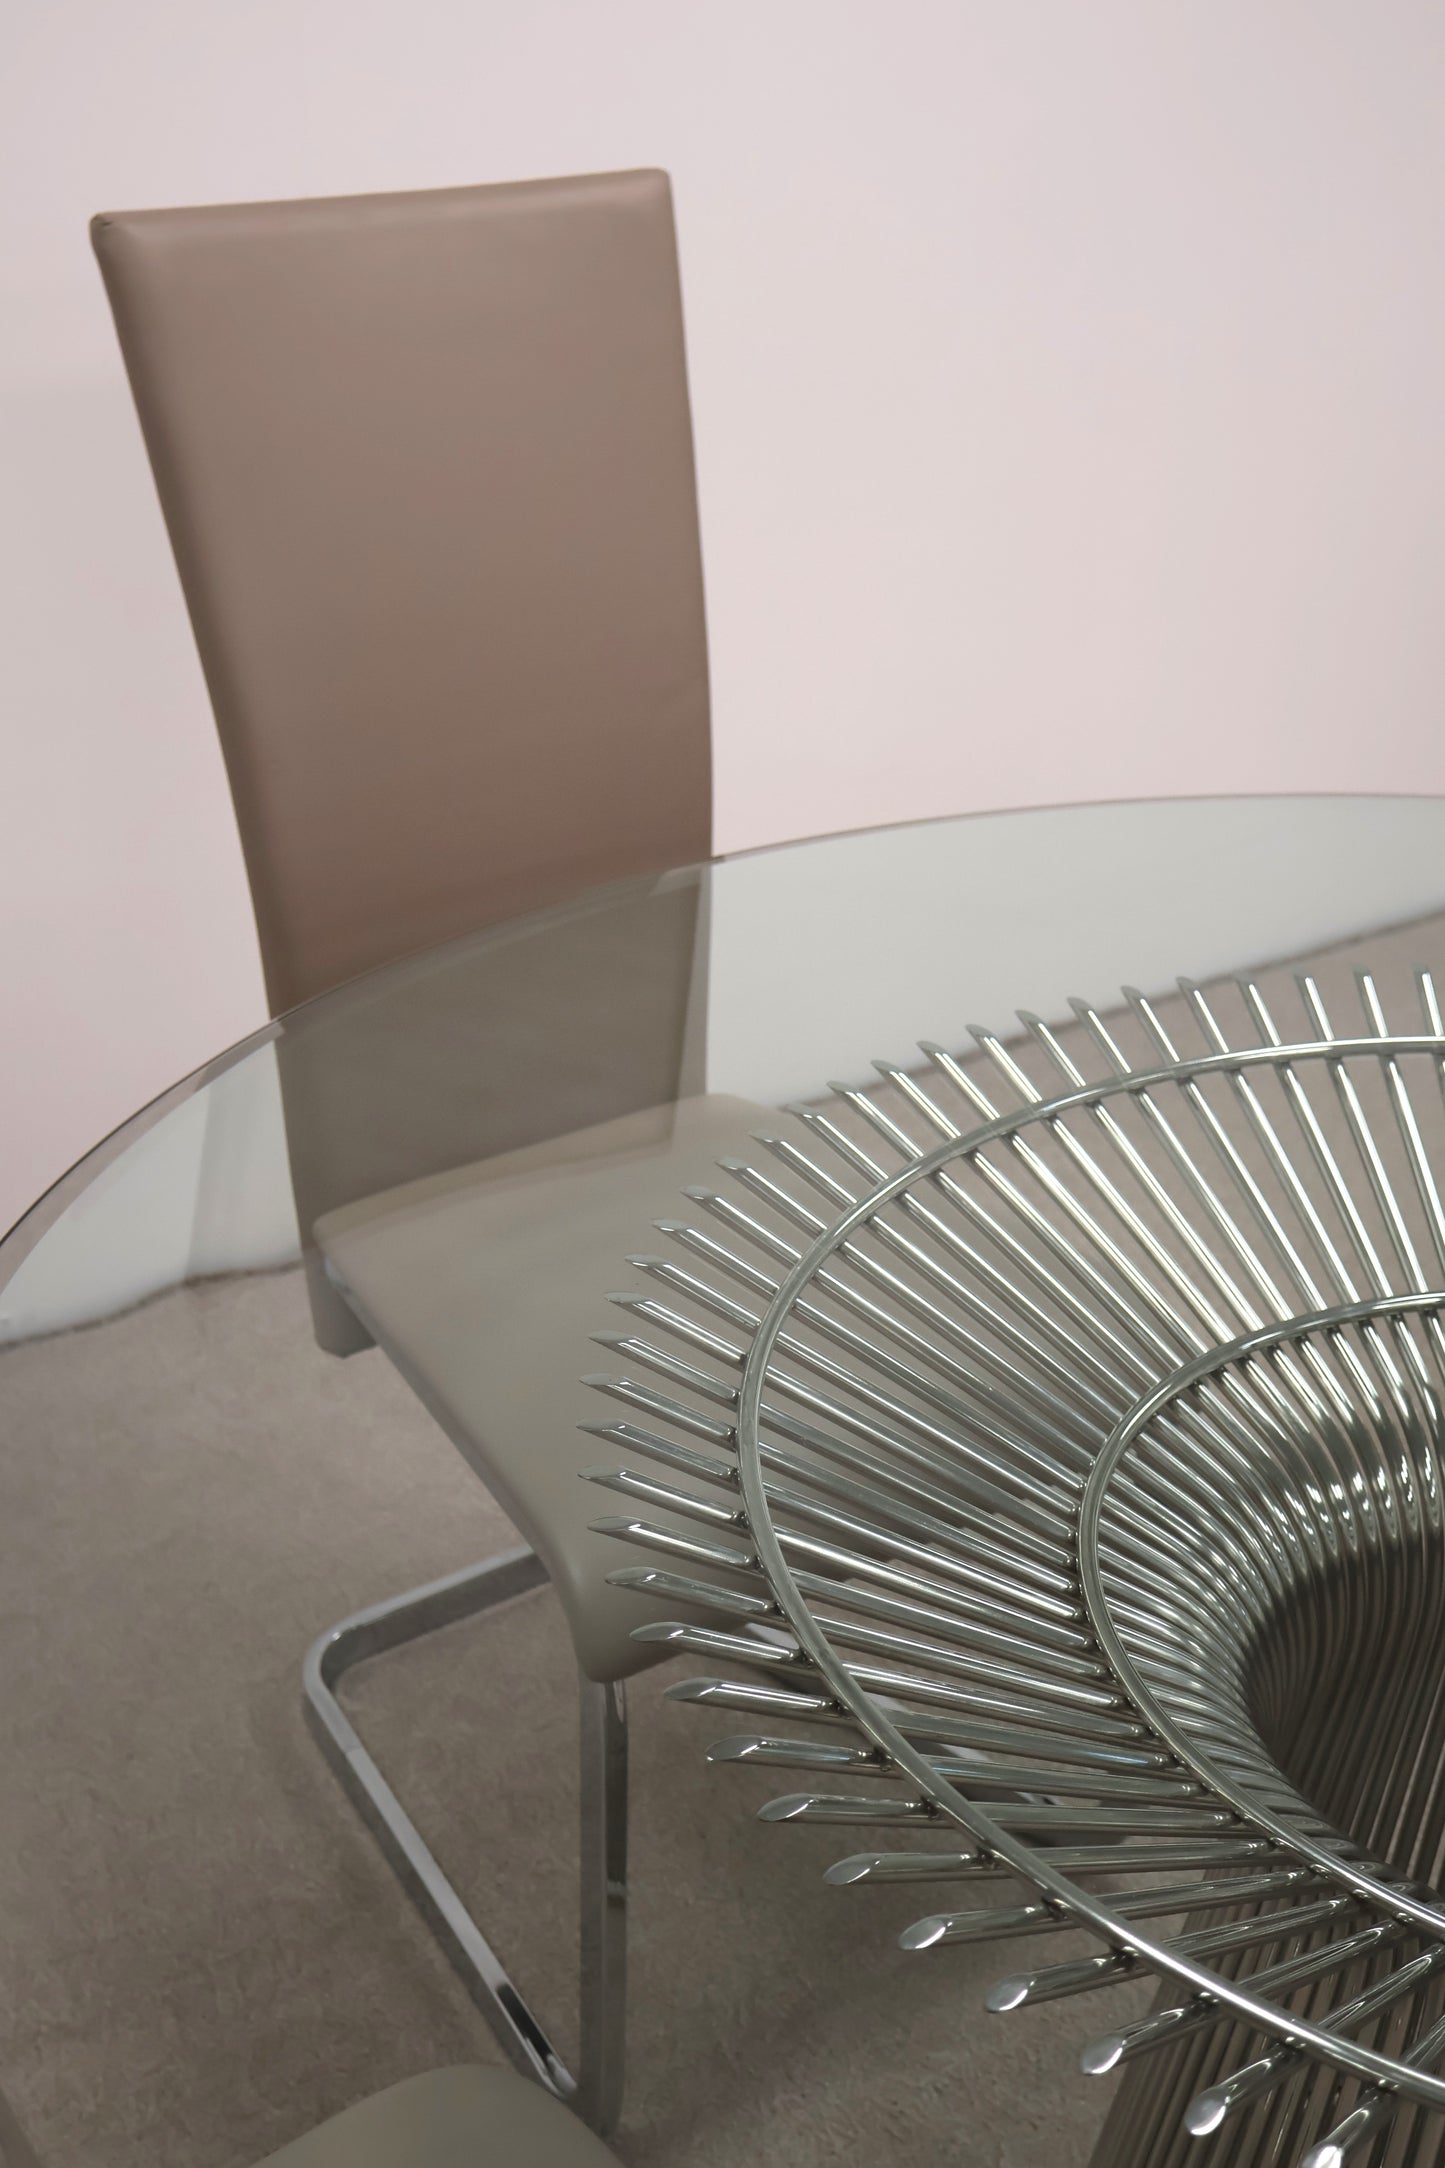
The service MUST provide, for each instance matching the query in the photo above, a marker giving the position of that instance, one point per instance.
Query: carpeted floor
(203, 1954)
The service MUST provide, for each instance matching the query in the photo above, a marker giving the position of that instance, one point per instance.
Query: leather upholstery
(484, 1287)
(426, 461)
(529, 1031)
(462, 2118)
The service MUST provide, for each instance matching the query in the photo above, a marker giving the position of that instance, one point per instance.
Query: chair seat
(484, 1286)
(468, 2117)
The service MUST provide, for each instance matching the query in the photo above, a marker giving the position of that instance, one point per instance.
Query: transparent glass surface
(206, 1462)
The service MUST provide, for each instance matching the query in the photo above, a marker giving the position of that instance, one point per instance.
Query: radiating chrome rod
(1083, 1859)
(1375, 2110)
(1087, 1973)
(941, 1928)
(1209, 2109)
(1163, 2027)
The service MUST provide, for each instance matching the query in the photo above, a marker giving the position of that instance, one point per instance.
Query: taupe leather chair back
(426, 462)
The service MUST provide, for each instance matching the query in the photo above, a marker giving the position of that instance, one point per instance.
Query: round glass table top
(764, 976)
(203, 1955)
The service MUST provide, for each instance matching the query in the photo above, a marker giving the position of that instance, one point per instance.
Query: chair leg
(367, 1633)
(604, 1903)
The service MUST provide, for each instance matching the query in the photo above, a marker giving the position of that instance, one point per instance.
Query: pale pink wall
(1068, 393)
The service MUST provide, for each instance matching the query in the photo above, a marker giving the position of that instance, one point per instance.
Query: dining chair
(467, 2117)
(426, 464)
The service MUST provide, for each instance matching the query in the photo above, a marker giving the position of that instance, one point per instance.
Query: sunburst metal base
(1098, 1438)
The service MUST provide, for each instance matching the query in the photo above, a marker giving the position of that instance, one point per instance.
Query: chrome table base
(1082, 1459)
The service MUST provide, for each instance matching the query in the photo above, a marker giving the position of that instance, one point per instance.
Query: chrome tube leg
(367, 1633)
(604, 1903)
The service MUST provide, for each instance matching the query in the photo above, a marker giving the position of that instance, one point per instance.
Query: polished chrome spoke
(1053, 1435)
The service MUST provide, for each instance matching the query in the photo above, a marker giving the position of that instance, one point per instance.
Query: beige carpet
(202, 1952)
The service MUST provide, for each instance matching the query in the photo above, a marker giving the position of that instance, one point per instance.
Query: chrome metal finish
(597, 2094)
(1076, 1408)
(603, 1902)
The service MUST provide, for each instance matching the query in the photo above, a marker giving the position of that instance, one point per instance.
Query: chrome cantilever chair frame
(597, 2091)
